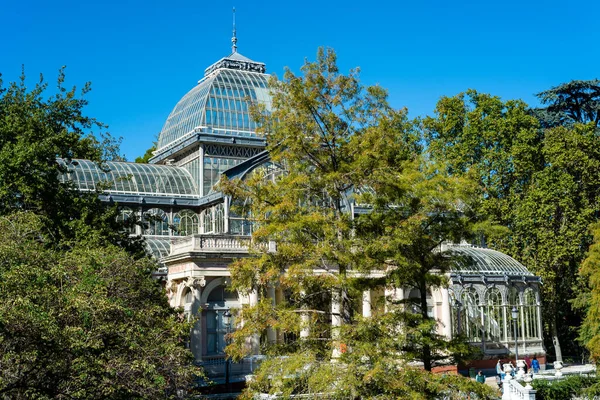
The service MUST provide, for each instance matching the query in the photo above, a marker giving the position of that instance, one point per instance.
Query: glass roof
(130, 178)
(220, 102)
(158, 247)
(476, 260)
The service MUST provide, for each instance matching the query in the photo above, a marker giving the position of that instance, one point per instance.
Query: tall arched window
(513, 301)
(455, 310)
(219, 219)
(207, 220)
(186, 223)
(471, 316)
(125, 218)
(493, 316)
(530, 315)
(157, 222)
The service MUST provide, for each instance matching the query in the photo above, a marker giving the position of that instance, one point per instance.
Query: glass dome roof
(220, 101)
(130, 178)
(477, 260)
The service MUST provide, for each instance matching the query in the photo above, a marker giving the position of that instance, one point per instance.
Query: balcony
(211, 244)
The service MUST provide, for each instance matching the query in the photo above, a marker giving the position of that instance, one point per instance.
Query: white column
(255, 338)
(196, 334)
(226, 205)
(446, 313)
(506, 323)
(366, 305)
(522, 316)
(336, 322)
(271, 333)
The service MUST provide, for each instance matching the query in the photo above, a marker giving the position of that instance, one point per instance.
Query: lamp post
(515, 315)
(227, 323)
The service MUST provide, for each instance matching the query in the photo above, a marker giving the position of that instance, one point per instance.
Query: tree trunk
(555, 341)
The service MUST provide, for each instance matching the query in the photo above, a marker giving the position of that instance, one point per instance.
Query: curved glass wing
(474, 260)
(158, 247)
(219, 101)
(130, 178)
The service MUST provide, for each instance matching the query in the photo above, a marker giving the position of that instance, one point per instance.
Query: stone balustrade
(514, 390)
(210, 243)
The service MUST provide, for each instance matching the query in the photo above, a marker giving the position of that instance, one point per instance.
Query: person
(499, 370)
(480, 377)
(535, 365)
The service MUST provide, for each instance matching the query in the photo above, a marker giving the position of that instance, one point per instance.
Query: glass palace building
(190, 229)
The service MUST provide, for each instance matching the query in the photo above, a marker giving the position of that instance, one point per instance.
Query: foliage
(537, 190)
(392, 380)
(147, 155)
(565, 388)
(80, 315)
(85, 323)
(569, 103)
(590, 269)
(35, 129)
(335, 145)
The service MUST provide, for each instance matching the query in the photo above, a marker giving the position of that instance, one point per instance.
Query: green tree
(83, 323)
(590, 269)
(569, 103)
(333, 145)
(81, 316)
(537, 190)
(35, 129)
(147, 155)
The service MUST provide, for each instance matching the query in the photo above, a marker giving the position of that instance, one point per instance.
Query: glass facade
(213, 168)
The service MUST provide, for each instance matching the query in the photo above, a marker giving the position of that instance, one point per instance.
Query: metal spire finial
(234, 38)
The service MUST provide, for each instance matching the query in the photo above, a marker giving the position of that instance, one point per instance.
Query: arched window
(513, 301)
(157, 222)
(125, 218)
(471, 316)
(186, 223)
(207, 220)
(530, 315)
(455, 310)
(493, 316)
(219, 219)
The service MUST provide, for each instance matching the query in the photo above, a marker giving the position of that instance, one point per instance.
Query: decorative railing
(513, 390)
(211, 243)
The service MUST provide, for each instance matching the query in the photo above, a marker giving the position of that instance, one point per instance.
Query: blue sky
(143, 56)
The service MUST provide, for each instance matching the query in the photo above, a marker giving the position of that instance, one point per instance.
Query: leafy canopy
(336, 146)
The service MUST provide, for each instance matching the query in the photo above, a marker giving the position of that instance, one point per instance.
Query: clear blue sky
(143, 56)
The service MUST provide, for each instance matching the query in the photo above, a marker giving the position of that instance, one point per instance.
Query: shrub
(563, 389)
